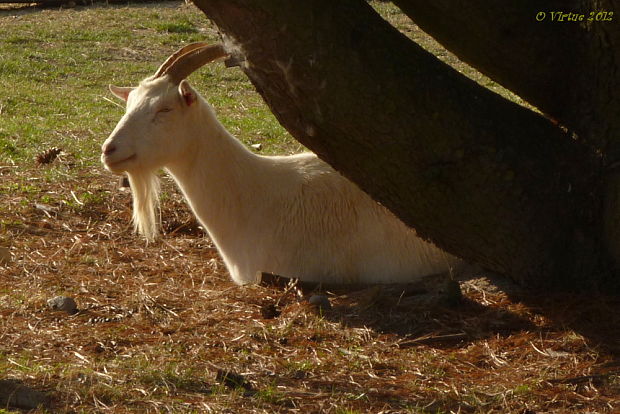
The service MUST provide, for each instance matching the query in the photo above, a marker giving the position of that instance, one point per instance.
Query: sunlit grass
(55, 66)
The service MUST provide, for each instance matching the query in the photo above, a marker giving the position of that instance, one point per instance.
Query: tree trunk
(484, 178)
(575, 80)
(561, 66)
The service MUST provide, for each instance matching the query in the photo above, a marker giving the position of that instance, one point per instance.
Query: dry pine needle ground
(161, 328)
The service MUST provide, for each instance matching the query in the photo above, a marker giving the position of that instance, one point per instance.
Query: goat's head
(156, 112)
(149, 135)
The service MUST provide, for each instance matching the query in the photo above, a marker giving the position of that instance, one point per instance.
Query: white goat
(290, 215)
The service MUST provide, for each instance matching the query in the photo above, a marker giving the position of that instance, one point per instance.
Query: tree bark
(567, 66)
(484, 178)
(553, 60)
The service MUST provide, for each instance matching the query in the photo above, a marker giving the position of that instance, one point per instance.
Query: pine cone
(47, 157)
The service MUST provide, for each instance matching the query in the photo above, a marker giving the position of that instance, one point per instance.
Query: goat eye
(160, 112)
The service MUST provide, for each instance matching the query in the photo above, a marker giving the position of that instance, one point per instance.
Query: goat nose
(109, 149)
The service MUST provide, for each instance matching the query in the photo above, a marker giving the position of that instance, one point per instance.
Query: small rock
(47, 209)
(320, 301)
(257, 147)
(63, 303)
(5, 256)
(14, 394)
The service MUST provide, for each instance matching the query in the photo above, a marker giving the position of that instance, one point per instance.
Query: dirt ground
(161, 327)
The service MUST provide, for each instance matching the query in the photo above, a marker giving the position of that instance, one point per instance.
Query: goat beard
(145, 194)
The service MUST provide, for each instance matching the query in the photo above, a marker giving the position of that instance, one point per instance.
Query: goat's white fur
(290, 215)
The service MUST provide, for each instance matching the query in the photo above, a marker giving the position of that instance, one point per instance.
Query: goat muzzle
(108, 149)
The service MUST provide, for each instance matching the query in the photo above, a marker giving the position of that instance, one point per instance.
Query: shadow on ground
(483, 306)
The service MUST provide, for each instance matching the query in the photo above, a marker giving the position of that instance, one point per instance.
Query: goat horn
(189, 58)
(186, 49)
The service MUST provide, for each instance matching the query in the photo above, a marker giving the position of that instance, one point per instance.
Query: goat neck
(218, 175)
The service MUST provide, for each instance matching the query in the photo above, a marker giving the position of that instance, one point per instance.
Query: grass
(62, 61)
(159, 323)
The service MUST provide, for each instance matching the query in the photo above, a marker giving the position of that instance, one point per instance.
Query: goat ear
(120, 92)
(187, 93)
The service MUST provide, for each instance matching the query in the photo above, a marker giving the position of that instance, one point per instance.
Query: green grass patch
(177, 27)
(55, 66)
